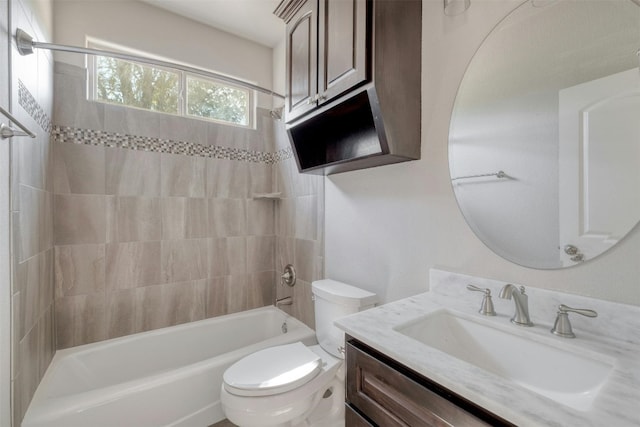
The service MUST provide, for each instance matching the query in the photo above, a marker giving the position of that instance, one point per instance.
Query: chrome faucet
(521, 317)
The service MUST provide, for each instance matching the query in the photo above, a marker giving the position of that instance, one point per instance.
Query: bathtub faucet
(284, 301)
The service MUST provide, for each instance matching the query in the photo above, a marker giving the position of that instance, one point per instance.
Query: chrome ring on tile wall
(289, 276)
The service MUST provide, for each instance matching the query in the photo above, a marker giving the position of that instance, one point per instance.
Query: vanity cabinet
(326, 51)
(382, 392)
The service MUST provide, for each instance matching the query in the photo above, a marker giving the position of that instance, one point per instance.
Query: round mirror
(544, 143)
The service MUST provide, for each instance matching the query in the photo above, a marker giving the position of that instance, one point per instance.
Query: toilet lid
(272, 370)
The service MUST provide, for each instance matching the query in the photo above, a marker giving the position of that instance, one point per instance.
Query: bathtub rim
(44, 406)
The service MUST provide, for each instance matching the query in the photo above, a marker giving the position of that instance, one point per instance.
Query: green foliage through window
(136, 85)
(207, 98)
(143, 86)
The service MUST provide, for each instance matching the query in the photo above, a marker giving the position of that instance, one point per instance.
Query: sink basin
(568, 378)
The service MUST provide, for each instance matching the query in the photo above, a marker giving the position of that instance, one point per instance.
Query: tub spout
(284, 301)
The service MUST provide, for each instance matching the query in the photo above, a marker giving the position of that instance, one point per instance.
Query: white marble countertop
(613, 336)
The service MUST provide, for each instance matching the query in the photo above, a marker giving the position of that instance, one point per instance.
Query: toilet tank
(333, 300)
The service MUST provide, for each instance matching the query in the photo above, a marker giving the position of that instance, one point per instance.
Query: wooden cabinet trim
(306, 14)
(391, 394)
(358, 49)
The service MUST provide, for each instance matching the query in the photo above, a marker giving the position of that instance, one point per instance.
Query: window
(170, 91)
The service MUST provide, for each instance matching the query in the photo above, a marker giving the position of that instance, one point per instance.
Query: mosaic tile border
(65, 134)
(27, 101)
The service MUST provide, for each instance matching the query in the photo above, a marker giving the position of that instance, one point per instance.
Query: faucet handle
(562, 326)
(486, 308)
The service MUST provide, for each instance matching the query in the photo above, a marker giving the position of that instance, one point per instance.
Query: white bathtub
(165, 377)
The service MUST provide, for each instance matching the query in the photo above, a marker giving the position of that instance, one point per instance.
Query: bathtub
(165, 377)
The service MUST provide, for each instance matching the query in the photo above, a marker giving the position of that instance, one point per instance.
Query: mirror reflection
(544, 143)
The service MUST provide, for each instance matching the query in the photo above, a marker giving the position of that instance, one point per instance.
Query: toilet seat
(272, 371)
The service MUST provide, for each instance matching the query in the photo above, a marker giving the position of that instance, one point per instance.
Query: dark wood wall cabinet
(382, 392)
(353, 82)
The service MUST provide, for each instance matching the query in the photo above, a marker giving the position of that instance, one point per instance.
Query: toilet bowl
(296, 385)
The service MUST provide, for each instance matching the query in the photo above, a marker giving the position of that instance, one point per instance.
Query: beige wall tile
(47, 282)
(197, 219)
(227, 179)
(29, 274)
(237, 293)
(78, 169)
(185, 129)
(261, 178)
(16, 319)
(306, 217)
(79, 269)
(265, 129)
(120, 315)
(216, 296)
(285, 252)
(29, 161)
(184, 260)
(228, 136)
(133, 264)
(80, 319)
(132, 172)
(227, 256)
(303, 308)
(71, 107)
(182, 176)
(34, 282)
(305, 251)
(35, 226)
(79, 219)
(46, 340)
(286, 173)
(167, 305)
(29, 376)
(261, 289)
(261, 251)
(285, 217)
(133, 219)
(184, 218)
(228, 217)
(261, 217)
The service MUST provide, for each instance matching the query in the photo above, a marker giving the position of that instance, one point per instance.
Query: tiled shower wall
(146, 238)
(300, 231)
(32, 250)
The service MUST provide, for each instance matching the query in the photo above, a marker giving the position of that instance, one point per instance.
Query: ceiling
(250, 19)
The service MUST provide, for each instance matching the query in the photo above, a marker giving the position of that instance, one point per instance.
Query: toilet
(294, 384)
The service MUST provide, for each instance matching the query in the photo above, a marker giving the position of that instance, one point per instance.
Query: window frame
(92, 83)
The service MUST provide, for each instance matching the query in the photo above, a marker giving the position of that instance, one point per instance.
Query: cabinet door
(302, 61)
(390, 398)
(342, 46)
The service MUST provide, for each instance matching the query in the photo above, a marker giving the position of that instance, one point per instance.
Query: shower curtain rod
(26, 44)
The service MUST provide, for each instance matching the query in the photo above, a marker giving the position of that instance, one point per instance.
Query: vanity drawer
(389, 397)
(353, 419)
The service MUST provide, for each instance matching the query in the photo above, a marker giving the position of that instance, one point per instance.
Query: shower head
(276, 113)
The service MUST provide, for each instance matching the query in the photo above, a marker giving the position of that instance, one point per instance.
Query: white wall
(279, 69)
(386, 226)
(149, 29)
